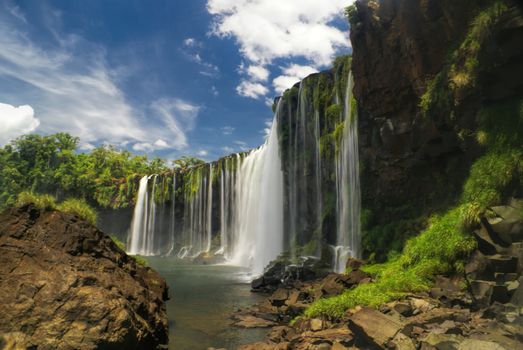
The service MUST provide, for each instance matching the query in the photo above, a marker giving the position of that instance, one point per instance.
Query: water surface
(202, 299)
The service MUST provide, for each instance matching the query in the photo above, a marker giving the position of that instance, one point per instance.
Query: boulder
(65, 284)
(373, 326)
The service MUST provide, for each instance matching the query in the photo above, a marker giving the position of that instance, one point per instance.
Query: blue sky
(167, 78)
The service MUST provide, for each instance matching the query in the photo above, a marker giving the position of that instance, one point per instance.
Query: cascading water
(259, 206)
(348, 204)
(141, 233)
(248, 208)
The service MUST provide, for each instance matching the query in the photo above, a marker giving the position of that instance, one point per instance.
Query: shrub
(79, 207)
(41, 201)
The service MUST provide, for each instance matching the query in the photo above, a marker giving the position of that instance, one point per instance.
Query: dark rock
(65, 284)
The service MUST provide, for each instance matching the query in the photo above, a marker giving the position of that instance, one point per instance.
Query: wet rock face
(65, 285)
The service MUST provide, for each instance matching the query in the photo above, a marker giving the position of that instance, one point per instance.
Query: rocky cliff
(66, 285)
(423, 72)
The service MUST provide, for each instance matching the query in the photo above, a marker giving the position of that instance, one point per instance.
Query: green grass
(80, 208)
(41, 201)
(47, 202)
(439, 249)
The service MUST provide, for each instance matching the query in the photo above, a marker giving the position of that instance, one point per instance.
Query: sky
(164, 78)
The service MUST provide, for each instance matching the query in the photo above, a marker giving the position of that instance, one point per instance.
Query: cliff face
(406, 53)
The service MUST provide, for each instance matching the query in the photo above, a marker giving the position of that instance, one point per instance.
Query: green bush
(41, 201)
(79, 207)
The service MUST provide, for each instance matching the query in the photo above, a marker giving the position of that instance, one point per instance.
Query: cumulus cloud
(202, 153)
(16, 121)
(266, 30)
(291, 75)
(251, 89)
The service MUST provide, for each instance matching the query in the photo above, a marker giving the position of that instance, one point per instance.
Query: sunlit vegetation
(105, 177)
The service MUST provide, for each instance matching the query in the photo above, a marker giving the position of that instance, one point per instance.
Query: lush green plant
(50, 164)
(41, 201)
(80, 208)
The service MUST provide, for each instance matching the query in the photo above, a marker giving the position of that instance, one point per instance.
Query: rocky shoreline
(64, 284)
(479, 309)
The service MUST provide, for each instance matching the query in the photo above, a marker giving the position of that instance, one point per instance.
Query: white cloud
(192, 49)
(227, 130)
(86, 146)
(161, 144)
(16, 121)
(256, 73)
(250, 89)
(227, 149)
(143, 147)
(266, 30)
(191, 42)
(76, 91)
(243, 145)
(202, 153)
(291, 75)
(178, 117)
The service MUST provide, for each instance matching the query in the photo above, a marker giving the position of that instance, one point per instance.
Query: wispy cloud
(72, 88)
(192, 48)
(227, 130)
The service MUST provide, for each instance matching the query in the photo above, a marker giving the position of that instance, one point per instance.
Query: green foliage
(140, 260)
(41, 201)
(351, 12)
(80, 208)
(118, 243)
(439, 249)
(186, 162)
(50, 164)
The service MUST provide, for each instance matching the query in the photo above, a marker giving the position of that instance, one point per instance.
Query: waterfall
(143, 224)
(250, 207)
(348, 205)
(259, 206)
(208, 217)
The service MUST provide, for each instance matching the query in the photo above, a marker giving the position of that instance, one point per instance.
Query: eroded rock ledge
(66, 285)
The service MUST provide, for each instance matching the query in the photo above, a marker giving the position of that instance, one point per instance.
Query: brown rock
(375, 327)
(65, 284)
(250, 321)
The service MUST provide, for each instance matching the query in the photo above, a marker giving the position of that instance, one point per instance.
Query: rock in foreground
(66, 285)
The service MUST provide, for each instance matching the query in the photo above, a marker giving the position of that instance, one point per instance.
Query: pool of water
(202, 300)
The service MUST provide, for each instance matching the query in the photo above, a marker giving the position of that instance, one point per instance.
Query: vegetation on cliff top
(105, 177)
(47, 202)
